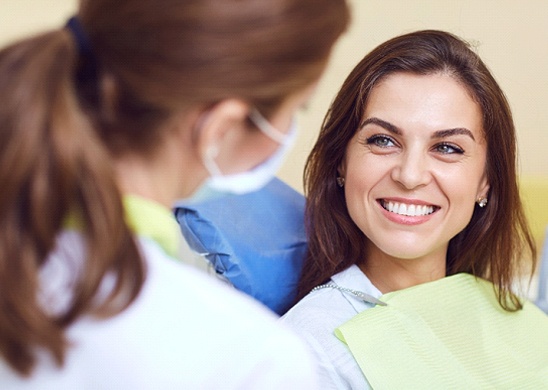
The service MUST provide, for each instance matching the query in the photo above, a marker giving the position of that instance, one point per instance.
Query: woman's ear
(341, 169)
(218, 123)
(483, 189)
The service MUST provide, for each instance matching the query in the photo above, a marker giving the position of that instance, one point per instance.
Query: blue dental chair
(534, 191)
(254, 241)
(542, 296)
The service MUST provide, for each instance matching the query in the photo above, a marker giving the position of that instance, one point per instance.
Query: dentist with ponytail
(105, 123)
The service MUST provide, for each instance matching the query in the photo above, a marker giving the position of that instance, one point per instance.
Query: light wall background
(511, 37)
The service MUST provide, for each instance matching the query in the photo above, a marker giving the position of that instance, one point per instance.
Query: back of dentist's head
(165, 56)
(71, 105)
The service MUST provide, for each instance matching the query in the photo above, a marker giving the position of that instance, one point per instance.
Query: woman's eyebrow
(438, 134)
(384, 124)
(455, 131)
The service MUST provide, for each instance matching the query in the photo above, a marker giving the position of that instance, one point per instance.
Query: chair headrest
(256, 241)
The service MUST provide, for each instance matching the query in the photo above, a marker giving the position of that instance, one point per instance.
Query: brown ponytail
(52, 165)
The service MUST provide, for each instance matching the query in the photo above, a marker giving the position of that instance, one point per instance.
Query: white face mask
(241, 183)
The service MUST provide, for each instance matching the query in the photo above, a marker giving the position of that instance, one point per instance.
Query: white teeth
(410, 210)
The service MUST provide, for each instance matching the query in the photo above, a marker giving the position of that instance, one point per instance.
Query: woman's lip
(408, 201)
(408, 212)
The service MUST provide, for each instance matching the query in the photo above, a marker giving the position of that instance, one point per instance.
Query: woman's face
(416, 166)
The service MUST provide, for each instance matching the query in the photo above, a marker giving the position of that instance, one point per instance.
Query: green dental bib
(146, 218)
(153, 220)
(449, 334)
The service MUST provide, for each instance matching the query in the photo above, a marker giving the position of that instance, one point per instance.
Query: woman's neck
(162, 179)
(135, 177)
(391, 274)
(175, 169)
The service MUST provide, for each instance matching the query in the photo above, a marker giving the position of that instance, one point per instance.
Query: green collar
(150, 219)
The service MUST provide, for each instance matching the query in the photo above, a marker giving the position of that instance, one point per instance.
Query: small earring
(482, 201)
(340, 181)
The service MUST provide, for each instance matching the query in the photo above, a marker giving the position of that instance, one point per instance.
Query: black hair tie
(80, 37)
(88, 67)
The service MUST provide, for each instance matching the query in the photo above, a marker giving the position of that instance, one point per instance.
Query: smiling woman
(412, 201)
(411, 178)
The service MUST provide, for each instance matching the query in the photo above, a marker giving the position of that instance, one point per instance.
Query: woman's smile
(408, 212)
(413, 209)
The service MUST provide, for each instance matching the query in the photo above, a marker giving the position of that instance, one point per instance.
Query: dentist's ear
(218, 124)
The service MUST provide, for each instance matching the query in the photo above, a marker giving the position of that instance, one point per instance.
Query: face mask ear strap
(209, 161)
(265, 126)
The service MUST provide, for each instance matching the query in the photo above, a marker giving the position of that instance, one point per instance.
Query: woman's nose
(412, 170)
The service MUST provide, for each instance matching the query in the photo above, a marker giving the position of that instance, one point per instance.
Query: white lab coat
(184, 331)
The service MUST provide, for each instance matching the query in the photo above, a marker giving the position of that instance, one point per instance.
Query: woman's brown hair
(67, 111)
(496, 242)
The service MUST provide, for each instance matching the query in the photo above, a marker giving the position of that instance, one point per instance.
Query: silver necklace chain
(358, 294)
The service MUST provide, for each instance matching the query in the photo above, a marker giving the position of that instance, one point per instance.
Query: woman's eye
(380, 141)
(448, 149)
